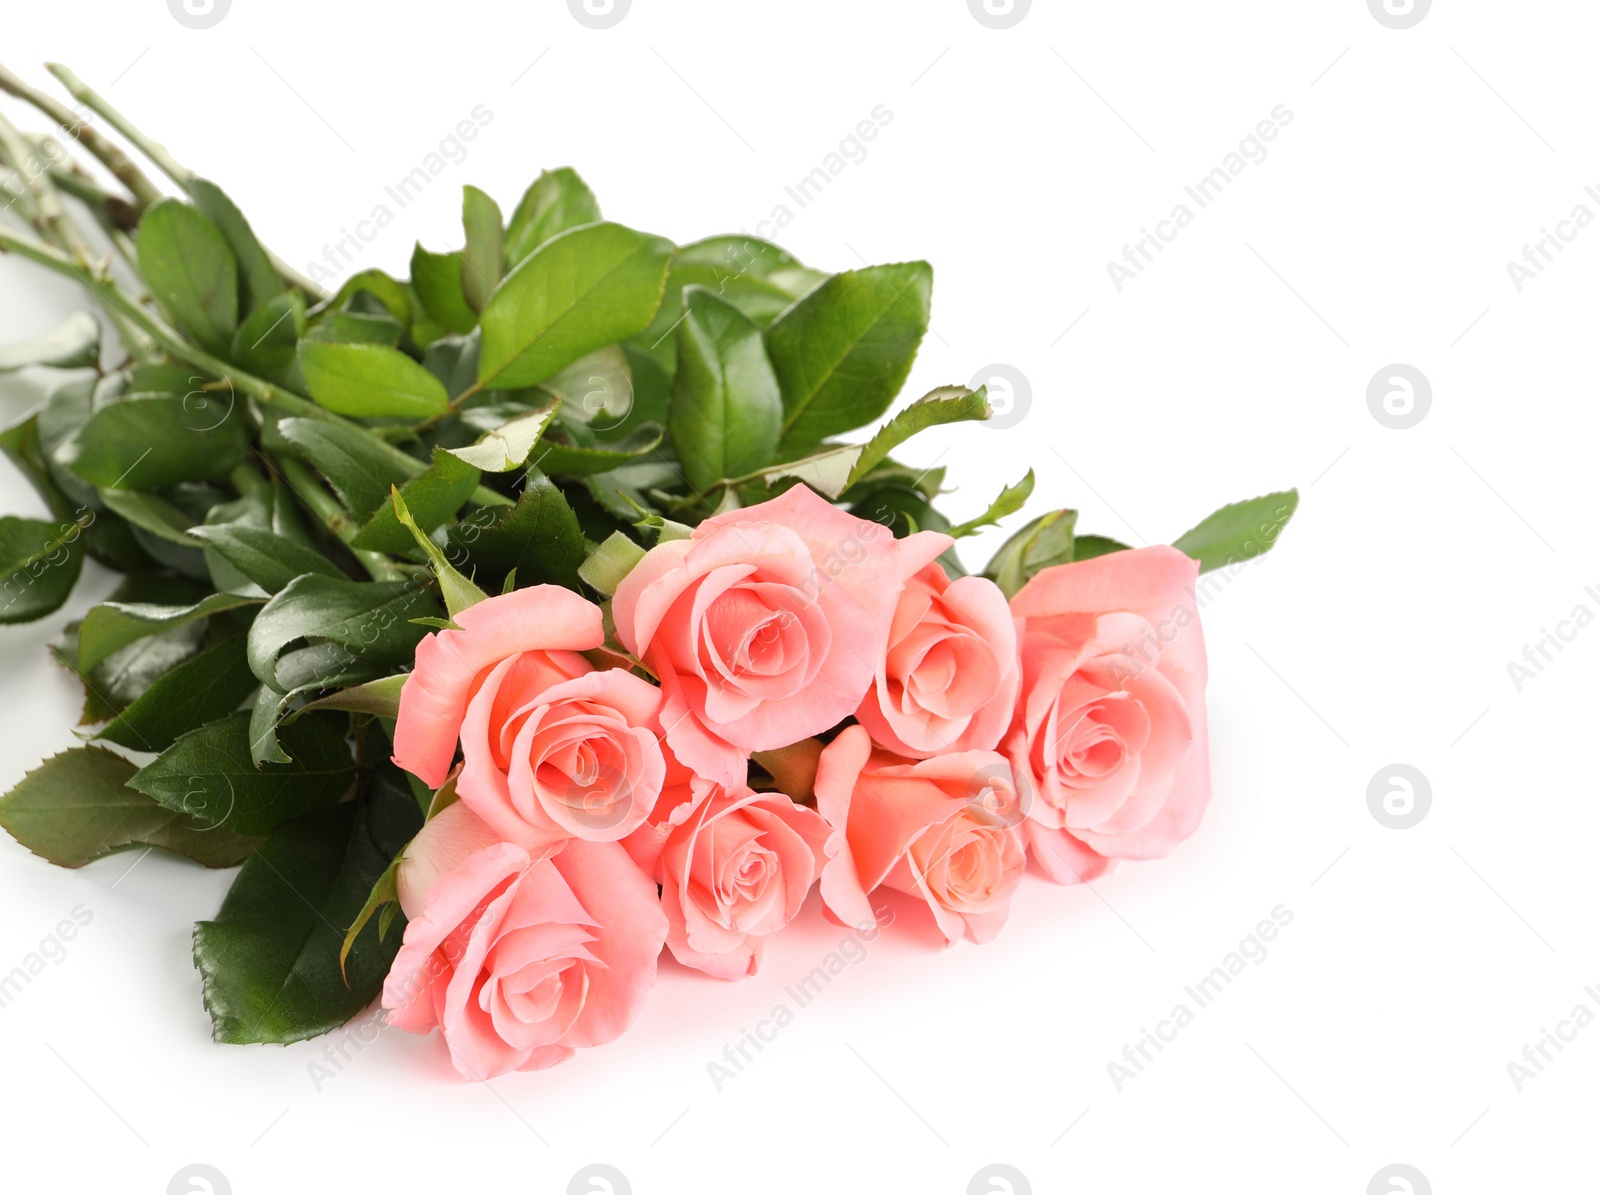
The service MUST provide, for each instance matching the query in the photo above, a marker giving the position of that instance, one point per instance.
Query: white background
(1019, 161)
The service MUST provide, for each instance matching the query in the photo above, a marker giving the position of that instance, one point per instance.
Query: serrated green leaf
(947, 404)
(726, 412)
(1239, 532)
(539, 538)
(557, 200)
(39, 565)
(843, 351)
(76, 807)
(146, 443)
(359, 472)
(111, 626)
(370, 380)
(207, 686)
(191, 272)
(433, 499)
(587, 288)
(437, 279)
(209, 774)
(269, 960)
(481, 260)
(369, 618)
(258, 279)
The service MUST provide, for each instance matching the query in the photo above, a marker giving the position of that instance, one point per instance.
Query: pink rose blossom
(1111, 726)
(947, 679)
(734, 866)
(520, 958)
(942, 829)
(764, 626)
(554, 747)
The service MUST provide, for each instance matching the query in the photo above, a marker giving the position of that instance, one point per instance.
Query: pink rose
(943, 829)
(554, 747)
(764, 627)
(947, 678)
(1111, 727)
(734, 866)
(519, 958)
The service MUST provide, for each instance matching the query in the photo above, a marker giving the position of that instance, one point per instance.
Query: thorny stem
(108, 153)
(162, 157)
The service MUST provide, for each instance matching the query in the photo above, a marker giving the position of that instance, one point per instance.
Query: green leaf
(539, 538)
(370, 380)
(726, 411)
(589, 287)
(380, 698)
(152, 513)
(481, 259)
(1239, 532)
(258, 279)
(76, 807)
(111, 626)
(146, 443)
(265, 557)
(843, 351)
(263, 543)
(596, 391)
(269, 960)
(557, 200)
(363, 292)
(947, 404)
(39, 565)
(753, 275)
(73, 345)
(265, 343)
(828, 472)
(1011, 500)
(1087, 547)
(357, 469)
(459, 593)
(371, 619)
(579, 460)
(209, 775)
(185, 698)
(507, 446)
(1043, 543)
(433, 498)
(437, 279)
(190, 270)
(385, 892)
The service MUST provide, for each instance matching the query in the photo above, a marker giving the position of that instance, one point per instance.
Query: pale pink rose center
(968, 863)
(942, 669)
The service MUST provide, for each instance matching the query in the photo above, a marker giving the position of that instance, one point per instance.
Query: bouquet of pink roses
(728, 658)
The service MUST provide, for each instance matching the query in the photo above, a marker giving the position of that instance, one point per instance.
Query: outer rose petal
(624, 903)
(434, 699)
(439, 847)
